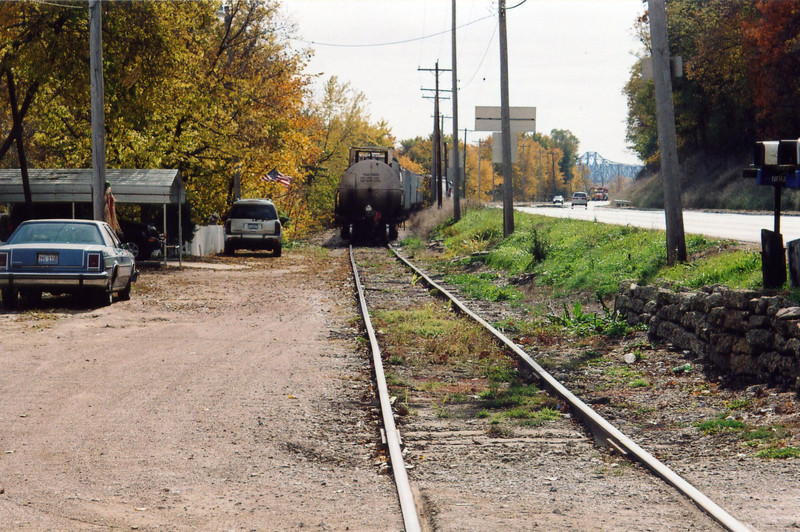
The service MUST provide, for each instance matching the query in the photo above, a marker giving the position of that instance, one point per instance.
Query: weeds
(780, 452)
(482, 288)
(720, 424)
(588, 323)
(413, 243)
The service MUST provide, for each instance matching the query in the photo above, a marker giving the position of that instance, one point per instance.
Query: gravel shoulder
(214, 399)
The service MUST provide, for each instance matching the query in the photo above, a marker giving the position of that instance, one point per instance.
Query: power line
(485, 53)
(393, 42)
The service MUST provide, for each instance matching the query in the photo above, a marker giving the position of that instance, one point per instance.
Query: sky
(568, 58)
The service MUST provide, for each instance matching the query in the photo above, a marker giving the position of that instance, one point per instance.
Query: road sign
(497, 148)
(520, 118)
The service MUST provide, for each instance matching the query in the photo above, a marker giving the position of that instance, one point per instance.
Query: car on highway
(558, 200)
(253, 224)
(580, 198)
(80, 257)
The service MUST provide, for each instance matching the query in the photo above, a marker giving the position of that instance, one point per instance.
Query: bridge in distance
(733, 226)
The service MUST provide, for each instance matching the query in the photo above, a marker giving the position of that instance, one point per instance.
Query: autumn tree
(342, 121)
(537, 169)
(183, 90)
(37, 46)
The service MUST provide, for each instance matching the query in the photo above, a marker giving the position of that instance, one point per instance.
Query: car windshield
(56, 233)
(254, 211)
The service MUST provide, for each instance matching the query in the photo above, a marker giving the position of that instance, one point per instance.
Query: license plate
(253, 226)
(47, 259)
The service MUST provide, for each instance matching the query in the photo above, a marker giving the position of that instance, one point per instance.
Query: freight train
(375, 195)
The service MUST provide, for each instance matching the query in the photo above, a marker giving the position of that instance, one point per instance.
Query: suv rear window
(253, 211)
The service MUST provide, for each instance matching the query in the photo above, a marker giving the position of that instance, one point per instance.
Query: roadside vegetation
(554, 280)
(589, 257)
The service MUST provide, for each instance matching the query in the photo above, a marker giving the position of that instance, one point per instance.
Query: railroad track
(458, 465)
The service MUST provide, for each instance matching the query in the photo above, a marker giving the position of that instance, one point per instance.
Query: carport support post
(180, 233)
(166, 237)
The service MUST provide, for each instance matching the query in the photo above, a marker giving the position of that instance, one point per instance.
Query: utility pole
(98, 113)
(436, 159)
(456, 172)
(437, 147)
(665, 112)
(479, 170)
(539, 184)
(524, 168)
(508, 195)
(464, 182)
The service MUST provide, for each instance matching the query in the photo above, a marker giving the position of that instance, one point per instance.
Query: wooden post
(508, 194)
(456, 173)
(97, 105)
(665, 111)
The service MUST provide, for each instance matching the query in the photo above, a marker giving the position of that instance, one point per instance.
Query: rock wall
(746, 334)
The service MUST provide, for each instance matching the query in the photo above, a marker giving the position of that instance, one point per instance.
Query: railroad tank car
(375, 194)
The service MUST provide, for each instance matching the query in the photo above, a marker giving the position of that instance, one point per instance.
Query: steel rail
(598, 425)
(404, 493)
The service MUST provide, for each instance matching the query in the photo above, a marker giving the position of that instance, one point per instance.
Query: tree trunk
(17, 134)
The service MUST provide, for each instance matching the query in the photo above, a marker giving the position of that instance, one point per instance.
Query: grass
(720, 424)
(780, 452)
(588, 323)
(413, 243)
(482, 287)
(431, 334)
(768, 439)
(570, 255)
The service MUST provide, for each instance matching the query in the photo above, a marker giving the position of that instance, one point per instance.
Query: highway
(741, 227)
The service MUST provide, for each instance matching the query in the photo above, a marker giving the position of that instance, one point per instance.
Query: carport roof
(75, 185)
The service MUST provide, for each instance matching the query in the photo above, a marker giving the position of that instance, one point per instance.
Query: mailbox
(788, 153)
(775, 163)
(765, 153)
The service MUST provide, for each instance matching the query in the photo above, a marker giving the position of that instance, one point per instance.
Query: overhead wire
(391, 43)
(485, 53)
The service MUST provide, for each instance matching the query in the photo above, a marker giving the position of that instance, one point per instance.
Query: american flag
(277, 177)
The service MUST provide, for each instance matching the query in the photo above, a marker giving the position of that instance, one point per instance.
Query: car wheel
(229, 249)
(10, 298)
(277, 251)
(125, 293)
(133, 247)
(103, 297)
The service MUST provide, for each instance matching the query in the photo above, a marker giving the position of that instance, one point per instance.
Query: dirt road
(217, 398)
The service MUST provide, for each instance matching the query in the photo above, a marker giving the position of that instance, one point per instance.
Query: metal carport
(159, 187)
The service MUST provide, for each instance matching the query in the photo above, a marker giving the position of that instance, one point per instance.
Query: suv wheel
(277, 251)
(229, 249)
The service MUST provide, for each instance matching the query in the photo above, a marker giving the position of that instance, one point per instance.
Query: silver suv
(253, 224)
(580, 198)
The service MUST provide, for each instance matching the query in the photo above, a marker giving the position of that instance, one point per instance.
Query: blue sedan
(81, 257)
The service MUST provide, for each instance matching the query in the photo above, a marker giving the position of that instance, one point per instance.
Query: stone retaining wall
(742, 333)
